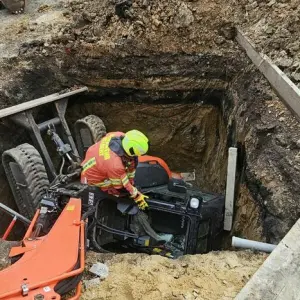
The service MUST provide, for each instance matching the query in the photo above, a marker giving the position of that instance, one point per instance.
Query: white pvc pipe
(230, 188)
(248, 244)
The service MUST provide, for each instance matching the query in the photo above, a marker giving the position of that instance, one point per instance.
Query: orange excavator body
(156, 160)
(47, 260)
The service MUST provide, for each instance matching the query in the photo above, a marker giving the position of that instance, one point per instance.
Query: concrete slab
(279, 276)
(230, 188)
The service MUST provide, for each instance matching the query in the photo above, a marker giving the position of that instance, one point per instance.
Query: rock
(232, 262)
(251, 6)
(228, 31)
(284, 62)
(219, 40)
(184, 265)
(140, 23)
(88, 17)
(184, 17)
(294, 46)
(100, 270)
(91, 39)
(269, 127)
(271, 3)
(296, 76)
(156, 22)
(281, 140)
(66, 13)
(270, 30)
(77, 32)
(145, 3)
(188, 296)
(91, 282)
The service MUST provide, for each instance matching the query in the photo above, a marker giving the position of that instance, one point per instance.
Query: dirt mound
(217, 275)
(152, 25)
(274, 27)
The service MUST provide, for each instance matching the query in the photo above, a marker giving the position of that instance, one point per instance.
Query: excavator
(14, 6)
(65, 218)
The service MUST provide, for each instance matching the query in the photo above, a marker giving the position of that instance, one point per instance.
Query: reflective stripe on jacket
(107, 170)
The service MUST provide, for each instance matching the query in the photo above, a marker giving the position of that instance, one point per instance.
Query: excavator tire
(88, 130)
(27, 177)
(14, 6)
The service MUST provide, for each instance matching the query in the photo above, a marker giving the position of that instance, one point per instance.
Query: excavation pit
(190, 129)
(186, 129)
(207, 100)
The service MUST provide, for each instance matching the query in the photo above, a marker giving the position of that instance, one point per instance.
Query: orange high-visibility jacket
(106, 169)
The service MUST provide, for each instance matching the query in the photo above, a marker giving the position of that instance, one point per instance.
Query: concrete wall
(279, 276)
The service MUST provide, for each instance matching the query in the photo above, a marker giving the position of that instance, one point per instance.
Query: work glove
(140, 201)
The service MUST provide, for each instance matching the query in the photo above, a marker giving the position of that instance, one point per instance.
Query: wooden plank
(37, 102)
(286, 90)
(279, 276)
(230, 188)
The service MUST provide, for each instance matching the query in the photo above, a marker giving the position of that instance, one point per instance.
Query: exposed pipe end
(254, 245)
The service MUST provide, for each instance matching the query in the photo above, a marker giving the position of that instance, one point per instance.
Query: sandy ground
(217, 275)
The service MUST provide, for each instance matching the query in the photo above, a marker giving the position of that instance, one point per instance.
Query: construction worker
(110, 164)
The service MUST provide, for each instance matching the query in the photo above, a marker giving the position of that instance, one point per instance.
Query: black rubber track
(36, 181)
(96, 129)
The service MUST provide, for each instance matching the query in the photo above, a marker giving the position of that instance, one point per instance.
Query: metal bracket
(22, 115)
(25, 289)
(26, 120)
(61, 107)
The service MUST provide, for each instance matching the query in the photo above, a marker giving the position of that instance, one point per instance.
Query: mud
(217, 275)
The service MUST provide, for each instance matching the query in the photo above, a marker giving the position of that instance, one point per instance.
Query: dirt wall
(188, 136)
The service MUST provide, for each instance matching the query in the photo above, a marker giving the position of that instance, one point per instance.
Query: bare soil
(5, 247)
(274, 28)
(172, 130)
(217, 275)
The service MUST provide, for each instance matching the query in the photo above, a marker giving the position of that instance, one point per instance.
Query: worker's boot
(141, 223)
(14, 6)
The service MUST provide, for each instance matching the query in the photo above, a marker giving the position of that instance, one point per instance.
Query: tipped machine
(68, 218)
